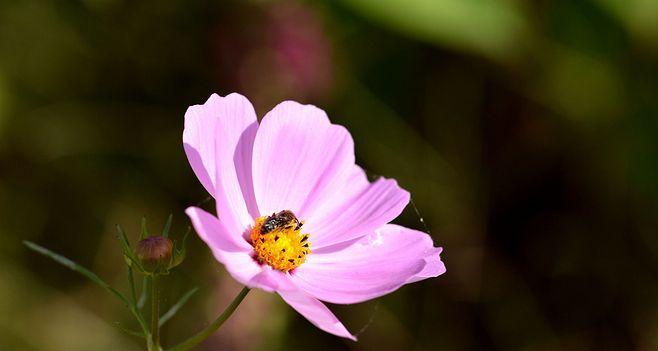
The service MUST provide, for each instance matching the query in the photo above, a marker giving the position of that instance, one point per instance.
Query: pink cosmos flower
(295, 214)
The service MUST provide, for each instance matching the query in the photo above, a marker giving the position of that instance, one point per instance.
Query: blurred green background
(526, 131)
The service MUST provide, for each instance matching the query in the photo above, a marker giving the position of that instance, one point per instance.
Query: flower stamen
(278, 241)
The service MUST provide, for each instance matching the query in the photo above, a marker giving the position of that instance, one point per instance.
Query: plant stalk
(155, 312)
(209, 330)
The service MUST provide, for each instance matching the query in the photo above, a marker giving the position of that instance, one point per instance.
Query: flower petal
(374, 206)
(218, 140)
(235, 253)
(434, 267)
(300, 159)
(316, 312)
(375, 265)
(214, 233)
(353, 185)
(272, 280)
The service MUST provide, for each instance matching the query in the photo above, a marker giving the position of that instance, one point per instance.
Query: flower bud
(154, 253)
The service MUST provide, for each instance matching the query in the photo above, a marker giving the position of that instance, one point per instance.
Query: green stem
(135, 310)
(202, 335)
(155, 312)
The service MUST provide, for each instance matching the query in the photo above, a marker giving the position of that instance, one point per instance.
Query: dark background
(526, 132)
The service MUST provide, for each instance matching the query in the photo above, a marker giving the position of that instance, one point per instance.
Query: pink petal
(434, 267)
(235, 253)
(375, 205)
(354, 184)
(214, 233)
(300, 159)
(218, 140)
(316, 312)
(377, 264)
(270, 279)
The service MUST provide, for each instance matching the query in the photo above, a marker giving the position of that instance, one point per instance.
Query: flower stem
(155, 311)
(202, 335)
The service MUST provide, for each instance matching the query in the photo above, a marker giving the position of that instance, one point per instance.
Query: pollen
(282, 246)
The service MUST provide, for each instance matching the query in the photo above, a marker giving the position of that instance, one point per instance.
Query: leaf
(167, 227)
(77, 268)
(177, 306)
(123, 237)
(129, 331)
(125, 245)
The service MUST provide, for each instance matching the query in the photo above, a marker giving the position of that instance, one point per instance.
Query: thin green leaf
(129, 331)
(177, 306)
(77, 268)
(142, 322)
(123, 237)
(144, 293)
(91, 276)
(167, 227)
(125, 245)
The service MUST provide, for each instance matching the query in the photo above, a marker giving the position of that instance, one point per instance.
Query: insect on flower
(295, 214)
(282, 220)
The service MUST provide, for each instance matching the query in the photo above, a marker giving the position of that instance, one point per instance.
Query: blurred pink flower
(302, 49)
(296, 164)
(284, 51)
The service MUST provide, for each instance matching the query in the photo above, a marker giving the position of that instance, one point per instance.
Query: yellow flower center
(278, 241)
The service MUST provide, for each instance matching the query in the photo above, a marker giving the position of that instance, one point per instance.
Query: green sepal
(128, 253)
(179, 250)
(161, 268)
(144, 232)
(167, 227)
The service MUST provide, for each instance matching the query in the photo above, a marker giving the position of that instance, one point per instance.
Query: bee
(282, 220)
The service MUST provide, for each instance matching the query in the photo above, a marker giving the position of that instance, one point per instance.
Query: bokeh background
(526, 131)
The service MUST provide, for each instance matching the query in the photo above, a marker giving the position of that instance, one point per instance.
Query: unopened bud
(154, 253)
